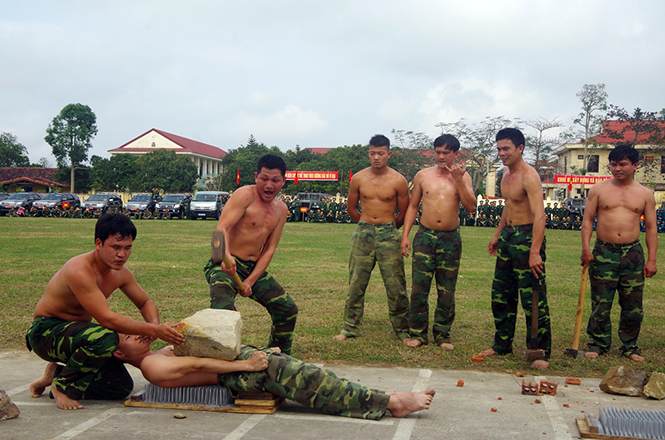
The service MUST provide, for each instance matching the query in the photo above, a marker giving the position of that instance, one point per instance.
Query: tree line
(70, 135)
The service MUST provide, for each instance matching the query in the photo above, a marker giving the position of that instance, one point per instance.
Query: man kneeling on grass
(263, 370)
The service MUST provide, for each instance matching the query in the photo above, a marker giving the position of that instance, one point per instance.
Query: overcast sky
(317, 73)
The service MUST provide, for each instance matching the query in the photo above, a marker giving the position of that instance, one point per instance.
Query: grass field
(311, 264)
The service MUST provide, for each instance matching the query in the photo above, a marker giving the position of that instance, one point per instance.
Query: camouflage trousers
(308, 385)
(373, 244)
(265, 291)
(435, 254)
(513, 281)
(616, 267)
(90, 371)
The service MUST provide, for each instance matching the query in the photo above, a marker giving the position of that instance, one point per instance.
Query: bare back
(618, 209)
(439, 198)
(59, 300)
(380, 195)
(253, 222)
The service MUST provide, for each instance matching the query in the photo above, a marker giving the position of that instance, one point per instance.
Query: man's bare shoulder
(79, 263)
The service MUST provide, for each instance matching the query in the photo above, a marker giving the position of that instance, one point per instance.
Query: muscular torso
(59, 301)
(517, 210)
(440, 200)
(618, 212)
(250, 233)
(378, 195)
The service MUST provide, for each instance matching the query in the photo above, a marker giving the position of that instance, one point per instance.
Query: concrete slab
(456, 413)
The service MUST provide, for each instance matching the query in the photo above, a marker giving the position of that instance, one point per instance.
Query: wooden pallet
(588, 430)
(248, 403)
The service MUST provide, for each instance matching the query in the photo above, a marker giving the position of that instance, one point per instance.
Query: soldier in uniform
(519, 244)
(616, 264)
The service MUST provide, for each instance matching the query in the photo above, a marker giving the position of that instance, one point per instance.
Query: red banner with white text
(313, 175)
(579, 180)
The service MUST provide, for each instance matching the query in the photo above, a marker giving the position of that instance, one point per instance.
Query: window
(580, 157)
(592, 165)
(662, 164)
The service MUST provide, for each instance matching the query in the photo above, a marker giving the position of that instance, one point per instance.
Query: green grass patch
(311, 263)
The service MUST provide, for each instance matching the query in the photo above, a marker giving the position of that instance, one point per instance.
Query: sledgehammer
(218, 254)
(574, 352)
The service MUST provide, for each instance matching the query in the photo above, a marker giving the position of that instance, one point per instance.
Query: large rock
(621, 380)
(211, 333)
(8, 410)
(656, 386)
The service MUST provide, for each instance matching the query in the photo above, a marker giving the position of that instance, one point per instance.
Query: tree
(12, 153)
(114, 174)
(243, 161)
(70, 135)
(594, 104)
(165, 170)
(539, 146)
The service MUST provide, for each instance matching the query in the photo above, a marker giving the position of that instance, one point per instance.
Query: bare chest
(622, 201)
(378, 189)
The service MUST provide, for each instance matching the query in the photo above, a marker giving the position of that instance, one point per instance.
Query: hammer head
(575, 354)
(534, 354)
(217, 247)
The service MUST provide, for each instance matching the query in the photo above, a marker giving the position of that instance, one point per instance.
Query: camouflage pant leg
(308, 385)
(90, 371)
(371, 244)
(513, 282)
(616, 267)
(435, 254)
(265, 291)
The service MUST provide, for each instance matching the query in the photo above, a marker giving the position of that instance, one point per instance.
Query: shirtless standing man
(252, 223)
(517, 270)
(437, 246)
(618, 203)
(62, 330)
(381, 191)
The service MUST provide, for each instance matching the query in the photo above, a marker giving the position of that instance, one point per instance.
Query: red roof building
(30, 179)
(207, 158)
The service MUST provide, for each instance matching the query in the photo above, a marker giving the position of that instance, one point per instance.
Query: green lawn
(311, 264)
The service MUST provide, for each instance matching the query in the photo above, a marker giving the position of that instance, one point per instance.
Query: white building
(207, 158)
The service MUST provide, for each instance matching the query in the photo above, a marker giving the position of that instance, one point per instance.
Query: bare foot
(591, 354)
(38, 386)
(636, 357)
(65, 402)
(412, 342)
(488, 352)
(539, 363)
(340, 337)
(403, 404)
(447, 346)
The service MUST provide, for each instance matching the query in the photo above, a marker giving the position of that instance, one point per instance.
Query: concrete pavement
(456, 413)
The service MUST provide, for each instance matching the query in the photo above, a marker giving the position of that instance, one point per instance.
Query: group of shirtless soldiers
(252, 224)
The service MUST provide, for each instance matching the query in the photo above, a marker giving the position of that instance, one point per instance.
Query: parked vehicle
(311, 201)
(18, 200)
(575, 206)
(102, 201)
(141, 202)
(61, 200)
(207, 204)
(3, 196)
(174, 204)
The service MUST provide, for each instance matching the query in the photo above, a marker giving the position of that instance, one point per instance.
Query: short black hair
(110, 225)
(448, 140)
(379, 140)
(512, 134)
(271, 162)
(624, 151)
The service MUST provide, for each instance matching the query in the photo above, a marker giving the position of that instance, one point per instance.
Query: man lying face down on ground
(265, 370)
